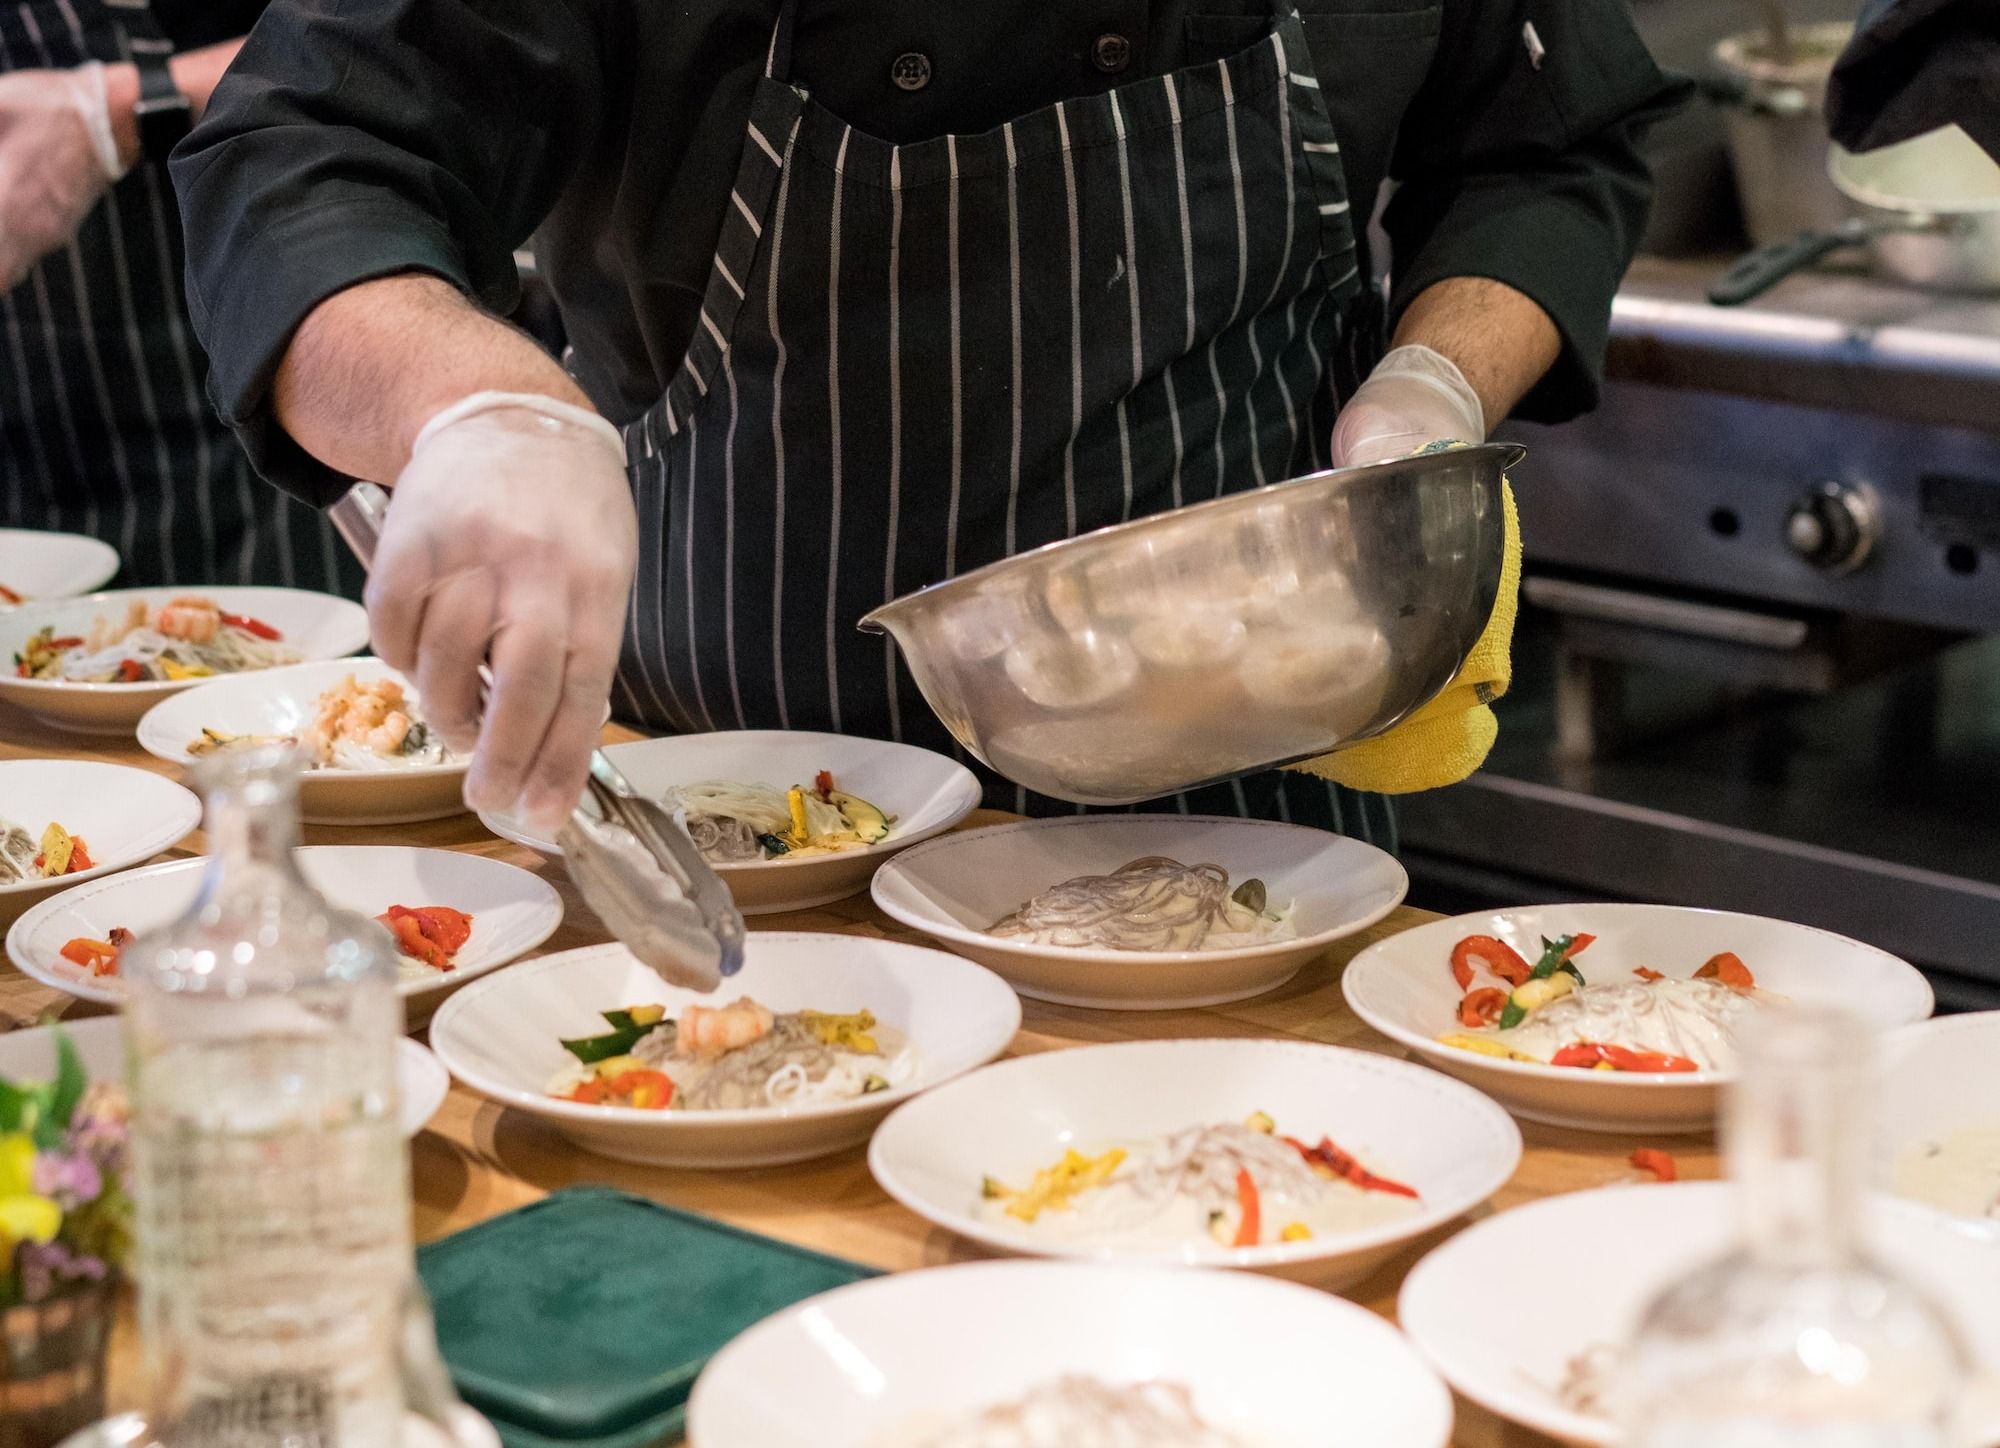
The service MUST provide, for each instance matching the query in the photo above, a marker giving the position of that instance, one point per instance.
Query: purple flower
(48, 1267)
(70, 1180)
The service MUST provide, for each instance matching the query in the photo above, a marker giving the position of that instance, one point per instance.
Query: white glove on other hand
(1413, 398)
(510, 540)
(57, 157)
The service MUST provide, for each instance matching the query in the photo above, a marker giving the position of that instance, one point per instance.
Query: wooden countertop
(476, 1159)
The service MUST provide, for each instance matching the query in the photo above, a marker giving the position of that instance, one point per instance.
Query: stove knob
(1834, 526)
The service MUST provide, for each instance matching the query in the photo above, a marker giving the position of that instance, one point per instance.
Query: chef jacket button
(1111, 53)
(911, 71)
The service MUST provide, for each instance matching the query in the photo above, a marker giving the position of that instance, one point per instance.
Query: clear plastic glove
(1413, 398)
(57, 157)
(510, 540)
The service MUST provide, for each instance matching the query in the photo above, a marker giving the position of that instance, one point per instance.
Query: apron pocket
(1371, 64)
(1217, 37)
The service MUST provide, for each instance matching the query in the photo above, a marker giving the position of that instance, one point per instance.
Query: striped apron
(105, 426)
(914, 360)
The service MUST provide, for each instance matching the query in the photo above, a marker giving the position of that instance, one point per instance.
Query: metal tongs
(632, 860)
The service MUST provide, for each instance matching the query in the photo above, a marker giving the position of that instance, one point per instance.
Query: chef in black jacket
(105, 427)
(867, 294)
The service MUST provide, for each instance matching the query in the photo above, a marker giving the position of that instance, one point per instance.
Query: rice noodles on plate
(1079, 1412)
(1150, 904)
(737, 1057)
(188, 638)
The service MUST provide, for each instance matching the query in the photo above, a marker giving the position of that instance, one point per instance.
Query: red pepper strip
(1646, 1062)
(823, 782)
(444, 927)
(1649, 1063)
(89, 954)
(1496, 955)
(131, 671)
(588, 1093)
(79, 856)
(1659, 1163)
(407, 926)
(1577, 945)
(1646, 972)
(1344, 1166)
(7, 595)
(250, 625)
(1251, 1227)
(64, 643)
(1729, 969)
(646, 1090)
(1482, 1007)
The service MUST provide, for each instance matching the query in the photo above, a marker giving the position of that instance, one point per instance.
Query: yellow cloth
(1446, 740)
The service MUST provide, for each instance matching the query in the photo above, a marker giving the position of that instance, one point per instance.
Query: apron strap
(137, 22)
(778, 62)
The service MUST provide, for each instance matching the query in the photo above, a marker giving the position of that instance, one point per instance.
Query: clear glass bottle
(1798, 1337)
(271, 1181)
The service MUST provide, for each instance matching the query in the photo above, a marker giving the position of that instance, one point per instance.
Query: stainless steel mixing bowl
(1219, 638)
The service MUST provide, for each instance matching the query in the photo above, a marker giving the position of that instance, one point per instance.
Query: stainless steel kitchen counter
(1831, 339)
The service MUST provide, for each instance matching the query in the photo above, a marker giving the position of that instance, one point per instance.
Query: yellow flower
(24, 1216)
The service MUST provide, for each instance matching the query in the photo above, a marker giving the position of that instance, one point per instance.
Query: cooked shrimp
(372, 715)
(192, 620)
(710, 1031)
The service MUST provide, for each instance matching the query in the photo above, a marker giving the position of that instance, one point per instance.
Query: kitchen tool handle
(1760, 270)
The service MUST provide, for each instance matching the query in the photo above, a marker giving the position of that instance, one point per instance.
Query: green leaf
(70, 1084)
(16, 1102)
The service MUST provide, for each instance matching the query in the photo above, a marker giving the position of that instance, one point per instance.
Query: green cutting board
(585, 1317)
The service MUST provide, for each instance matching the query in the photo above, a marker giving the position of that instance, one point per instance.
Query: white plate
(1009, 1120)
(953, 889)
(1940, 1077)
(283, 701)
(30, 1055)
(1402, 987)
(39, 565)
(317, 625)
(512, 910)
(502, 1037)
(1280, 1365)
(124, 816)
(925, 794)
(1501, 1308)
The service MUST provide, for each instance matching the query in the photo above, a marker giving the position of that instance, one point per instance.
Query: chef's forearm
(371, 365)
(1500, 338)
(195, 72)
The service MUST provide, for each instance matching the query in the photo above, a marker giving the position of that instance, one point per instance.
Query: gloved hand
(510, 539)
(1414, 397)
(57, 157)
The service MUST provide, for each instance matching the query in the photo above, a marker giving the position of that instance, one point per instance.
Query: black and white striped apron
(914, 360)
(105, 426)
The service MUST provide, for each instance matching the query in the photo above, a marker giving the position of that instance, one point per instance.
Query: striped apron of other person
(105, 425)
(914, 360)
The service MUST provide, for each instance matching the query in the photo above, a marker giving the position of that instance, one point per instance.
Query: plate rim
(1276, 1255)
(185, 801)
(15, 941)
(705, 1122)
(896, 869)
(1378, 957)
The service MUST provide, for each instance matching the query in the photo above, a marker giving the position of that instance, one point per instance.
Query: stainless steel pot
(1212, 640)
(1774, 115)
(1928, 214)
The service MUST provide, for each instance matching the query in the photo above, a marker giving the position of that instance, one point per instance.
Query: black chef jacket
(369, 137)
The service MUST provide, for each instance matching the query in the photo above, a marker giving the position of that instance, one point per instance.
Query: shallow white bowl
(1280, 1365)
(925, 794)
(30, 1055)
(317, 625)
(953, 889)
(513, 912)
(1939, 1077)
(283, 701)
(38, 565)
(502, 1037)
(1501, 1308)
(125, 816)
(1011, 1119)
(1402, 987)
